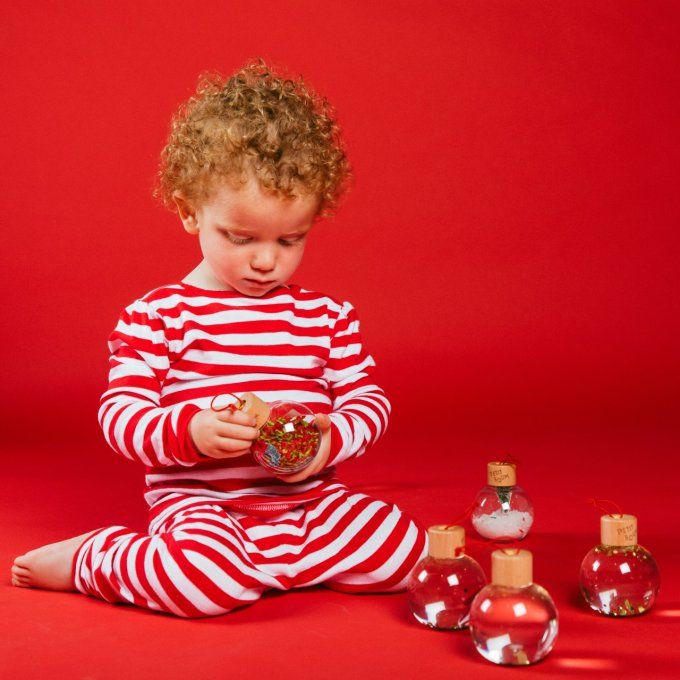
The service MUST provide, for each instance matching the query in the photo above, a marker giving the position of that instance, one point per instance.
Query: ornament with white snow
(502, 510)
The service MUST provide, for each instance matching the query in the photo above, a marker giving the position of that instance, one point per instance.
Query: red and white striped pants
(201, 559)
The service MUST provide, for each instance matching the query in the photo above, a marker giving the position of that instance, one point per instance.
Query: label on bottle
(501, 474)
(618, 530)
(627, 532)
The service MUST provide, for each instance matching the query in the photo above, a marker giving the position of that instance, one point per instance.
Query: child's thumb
(322, 421)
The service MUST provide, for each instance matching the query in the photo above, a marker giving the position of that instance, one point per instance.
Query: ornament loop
(597, 503)
(462, 517)
(230, 407)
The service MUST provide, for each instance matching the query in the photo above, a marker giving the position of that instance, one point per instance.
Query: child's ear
(186, 212)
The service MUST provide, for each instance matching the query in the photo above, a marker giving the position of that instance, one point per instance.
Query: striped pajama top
(178, 346)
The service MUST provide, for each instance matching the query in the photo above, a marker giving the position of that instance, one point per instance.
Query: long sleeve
(132, 420)
(360, 409)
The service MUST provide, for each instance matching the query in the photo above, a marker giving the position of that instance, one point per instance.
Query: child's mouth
(261, 284)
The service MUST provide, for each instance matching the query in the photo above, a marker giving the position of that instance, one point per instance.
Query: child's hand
(323, 422)
(223, 434)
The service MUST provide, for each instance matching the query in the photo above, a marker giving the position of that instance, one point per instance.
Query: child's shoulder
(155, 299)
(334, 304)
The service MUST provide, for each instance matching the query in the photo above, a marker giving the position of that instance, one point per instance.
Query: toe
(20, 571)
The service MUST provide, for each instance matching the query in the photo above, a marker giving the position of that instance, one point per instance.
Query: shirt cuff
(187, 451)
(335, 456)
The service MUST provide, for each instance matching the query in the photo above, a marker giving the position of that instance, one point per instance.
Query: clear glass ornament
(441, 589)
(514, 626)
(513, 621)
(619, 580)
(288, 440)
(502, 512)
(289, 437)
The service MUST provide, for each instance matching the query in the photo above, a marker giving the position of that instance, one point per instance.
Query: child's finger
(234, 431)
(229, 448)
(230, 444)
(322, 421)
(239, 417)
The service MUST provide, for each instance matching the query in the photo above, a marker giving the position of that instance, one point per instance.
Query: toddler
(251, 163)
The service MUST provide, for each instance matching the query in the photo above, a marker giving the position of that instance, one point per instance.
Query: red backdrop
(511, 243)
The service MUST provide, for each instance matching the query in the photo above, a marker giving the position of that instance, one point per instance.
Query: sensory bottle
(442, 585)
(513, 621)
(619, 577)
(289, 438)
(502, 511)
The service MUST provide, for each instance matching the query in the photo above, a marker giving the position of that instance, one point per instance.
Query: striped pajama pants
(201, 559)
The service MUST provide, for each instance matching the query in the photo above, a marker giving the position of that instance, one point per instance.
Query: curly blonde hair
(255, 121)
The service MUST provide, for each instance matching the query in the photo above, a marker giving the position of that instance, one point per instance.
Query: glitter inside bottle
(619, 577)
(502, 511)
(289, 438)
(442, 585)
(513, 621)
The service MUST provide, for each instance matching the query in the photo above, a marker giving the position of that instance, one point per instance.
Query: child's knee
(205, 583)
(394, 570)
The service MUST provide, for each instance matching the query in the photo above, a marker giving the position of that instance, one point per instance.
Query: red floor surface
(60, 491)
(511, 247)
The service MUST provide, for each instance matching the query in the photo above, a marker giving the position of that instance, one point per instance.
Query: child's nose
(264, 259)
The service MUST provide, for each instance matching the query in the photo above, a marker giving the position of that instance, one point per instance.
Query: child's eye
(237, 241)
(292, 242)
(243, 241)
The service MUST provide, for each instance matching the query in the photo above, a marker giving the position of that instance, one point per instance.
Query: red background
(510, 245)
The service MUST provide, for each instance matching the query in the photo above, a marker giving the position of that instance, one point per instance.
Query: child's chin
(251, 293)
(257, 291)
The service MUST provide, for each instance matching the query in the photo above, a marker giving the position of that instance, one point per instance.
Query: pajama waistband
(258, 506)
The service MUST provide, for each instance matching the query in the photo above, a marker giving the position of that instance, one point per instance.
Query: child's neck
(203, 278)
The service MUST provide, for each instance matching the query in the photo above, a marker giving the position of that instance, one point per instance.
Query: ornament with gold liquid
(619, 577)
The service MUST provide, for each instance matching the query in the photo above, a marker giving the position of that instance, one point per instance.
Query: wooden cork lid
(254, 406)
(511, 567)
(445, 542)
(618, 530)
(501, 474)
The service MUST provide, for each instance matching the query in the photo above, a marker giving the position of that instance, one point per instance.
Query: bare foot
(49, 566)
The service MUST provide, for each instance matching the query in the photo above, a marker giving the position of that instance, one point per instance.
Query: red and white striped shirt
(178, 346)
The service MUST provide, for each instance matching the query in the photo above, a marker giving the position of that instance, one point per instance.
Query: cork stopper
(254, 406)
(511, 567)
(445, 542)
(501, 474)
(618, 530)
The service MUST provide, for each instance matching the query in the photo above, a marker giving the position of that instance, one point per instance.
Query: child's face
(249, 235)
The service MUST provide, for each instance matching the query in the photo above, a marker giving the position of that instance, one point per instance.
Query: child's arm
(360, 410)
(132, 420)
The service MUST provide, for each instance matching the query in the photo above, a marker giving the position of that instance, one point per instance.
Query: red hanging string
(510, 458)
(498, 542)
(597, 503)
(511, 544)
(231, 407)
(464, 516)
